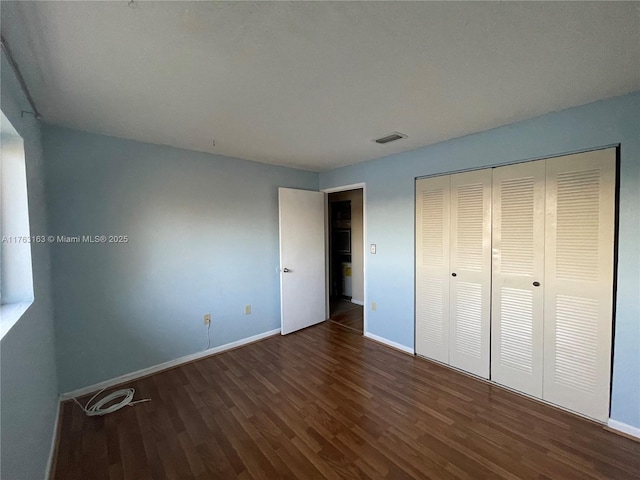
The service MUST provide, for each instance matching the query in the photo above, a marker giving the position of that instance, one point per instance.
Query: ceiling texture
(311, 84)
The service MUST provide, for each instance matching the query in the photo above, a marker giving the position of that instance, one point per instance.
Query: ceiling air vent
(392, 137)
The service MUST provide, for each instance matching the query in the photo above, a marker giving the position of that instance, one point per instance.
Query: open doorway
(346, 258)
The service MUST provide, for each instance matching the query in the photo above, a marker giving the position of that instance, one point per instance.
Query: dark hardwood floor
(348, 314)
(326, 402)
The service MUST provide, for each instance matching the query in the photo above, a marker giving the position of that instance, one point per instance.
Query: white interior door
(432, 268)
(518, 276)
(578, 294)
(302, 258)
(470, 283)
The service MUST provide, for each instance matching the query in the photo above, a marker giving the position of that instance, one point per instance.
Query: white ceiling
(311, 84)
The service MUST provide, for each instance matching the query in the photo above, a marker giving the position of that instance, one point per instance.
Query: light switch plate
(372, 248)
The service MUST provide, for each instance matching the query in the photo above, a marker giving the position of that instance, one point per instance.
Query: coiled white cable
(97, 408)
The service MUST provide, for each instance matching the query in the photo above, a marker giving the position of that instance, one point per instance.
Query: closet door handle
(536, 284)
(454, 274)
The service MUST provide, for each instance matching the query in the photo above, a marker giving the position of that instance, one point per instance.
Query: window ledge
(10, 313)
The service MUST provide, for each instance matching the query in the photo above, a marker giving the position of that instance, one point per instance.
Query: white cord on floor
(97, 408)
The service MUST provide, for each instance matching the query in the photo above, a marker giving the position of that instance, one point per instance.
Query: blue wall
(203, 238)
(28, 382)
(390, 217)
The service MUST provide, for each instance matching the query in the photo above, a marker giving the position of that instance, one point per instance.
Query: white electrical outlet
(207, 318)
(247, 310)
(374, 306)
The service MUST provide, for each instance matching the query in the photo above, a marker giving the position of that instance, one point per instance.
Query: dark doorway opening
(346, 280)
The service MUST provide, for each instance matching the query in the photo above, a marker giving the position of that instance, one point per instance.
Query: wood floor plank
(327, 403)
(347, 314)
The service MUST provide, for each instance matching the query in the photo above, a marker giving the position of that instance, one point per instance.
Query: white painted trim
(624, 428)
(327, 260)
(54, 441)
(163, 366)
(358, 302)
(389, 343)
(344, 188)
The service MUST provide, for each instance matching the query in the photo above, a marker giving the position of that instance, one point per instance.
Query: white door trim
(344, 188)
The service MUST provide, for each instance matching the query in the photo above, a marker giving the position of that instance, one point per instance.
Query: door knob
(536, 284)
(286, 270)
(454, 274)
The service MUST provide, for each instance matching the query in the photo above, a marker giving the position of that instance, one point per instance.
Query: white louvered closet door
(432, 268)
(578, 293)
(470, 270)
(518, 276)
